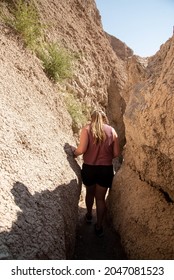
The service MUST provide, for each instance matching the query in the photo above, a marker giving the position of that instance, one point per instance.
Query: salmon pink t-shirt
(102, 152)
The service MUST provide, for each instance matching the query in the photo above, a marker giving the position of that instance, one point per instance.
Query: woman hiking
(99, 146)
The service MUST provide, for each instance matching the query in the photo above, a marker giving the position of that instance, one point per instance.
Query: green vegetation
(77, 111)
(56, 60)
(23, 17)
(26, 22)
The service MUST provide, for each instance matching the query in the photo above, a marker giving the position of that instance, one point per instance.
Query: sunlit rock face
(120, 48)
(142, 198)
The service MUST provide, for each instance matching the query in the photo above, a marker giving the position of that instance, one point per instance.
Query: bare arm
(116, 149)
(81, 149)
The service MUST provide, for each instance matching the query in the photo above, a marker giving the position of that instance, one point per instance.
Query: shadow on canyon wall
(42, 229)
(39, 231)
(45, 224)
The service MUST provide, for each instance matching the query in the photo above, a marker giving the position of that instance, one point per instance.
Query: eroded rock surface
(142, 199)
(40, 182)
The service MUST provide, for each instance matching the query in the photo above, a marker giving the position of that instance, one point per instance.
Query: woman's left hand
(73, 150)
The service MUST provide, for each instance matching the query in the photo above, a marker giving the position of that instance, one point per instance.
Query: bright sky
(144, 25)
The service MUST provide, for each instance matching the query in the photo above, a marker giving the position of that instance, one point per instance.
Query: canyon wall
(40, 183)
(120, 48)
(142, 198)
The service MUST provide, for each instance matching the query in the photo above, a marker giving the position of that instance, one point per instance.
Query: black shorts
(97, 174)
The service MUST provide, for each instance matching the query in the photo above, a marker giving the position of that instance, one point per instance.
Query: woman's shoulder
(107, 126)
(110, 129)
(86, 127)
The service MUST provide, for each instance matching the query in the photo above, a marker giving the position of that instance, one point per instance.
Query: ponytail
(98, 118)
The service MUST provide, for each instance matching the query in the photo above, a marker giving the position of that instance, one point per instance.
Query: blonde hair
(98, 118)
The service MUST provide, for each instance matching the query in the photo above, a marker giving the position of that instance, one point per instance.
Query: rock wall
(40, 183)
(142, 198)
(120, 48)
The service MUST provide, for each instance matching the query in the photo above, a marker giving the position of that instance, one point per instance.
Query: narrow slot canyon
(41, 214)
(88, 245)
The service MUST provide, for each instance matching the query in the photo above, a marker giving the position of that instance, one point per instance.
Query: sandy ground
(91, 247)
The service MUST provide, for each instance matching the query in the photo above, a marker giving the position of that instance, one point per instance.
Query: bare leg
(100, 204)
(89, 199)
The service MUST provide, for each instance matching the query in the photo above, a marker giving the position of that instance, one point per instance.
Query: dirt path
(91, 247)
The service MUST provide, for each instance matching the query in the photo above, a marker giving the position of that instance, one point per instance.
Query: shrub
(26, 22)
(57, 61)
(77, 111)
